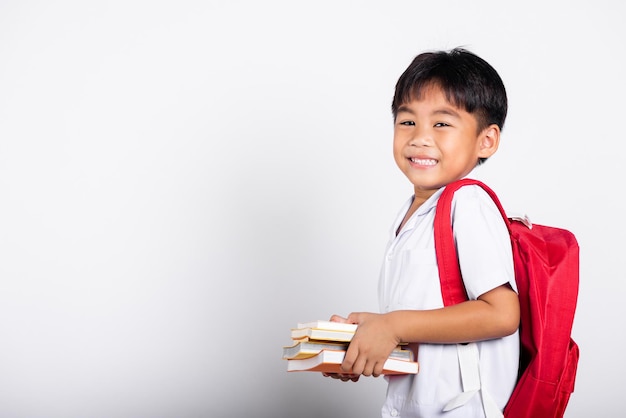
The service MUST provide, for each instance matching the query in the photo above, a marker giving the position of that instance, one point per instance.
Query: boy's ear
(489, 141)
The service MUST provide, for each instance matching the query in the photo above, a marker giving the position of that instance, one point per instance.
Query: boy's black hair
(468, 81)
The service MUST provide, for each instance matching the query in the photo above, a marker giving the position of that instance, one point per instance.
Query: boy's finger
(350, 357)
(359, 365)
(337, 318)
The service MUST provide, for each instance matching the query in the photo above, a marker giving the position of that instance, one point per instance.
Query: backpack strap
(469, 363)
(453, 292)
(452, 288)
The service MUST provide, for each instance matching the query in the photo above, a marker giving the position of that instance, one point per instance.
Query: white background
(183, 181)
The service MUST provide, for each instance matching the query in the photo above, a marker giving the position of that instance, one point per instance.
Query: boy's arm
(494, 314)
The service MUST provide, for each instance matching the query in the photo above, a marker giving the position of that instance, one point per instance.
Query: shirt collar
(426, 207)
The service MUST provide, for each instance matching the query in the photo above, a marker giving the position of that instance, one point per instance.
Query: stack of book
(320, 346)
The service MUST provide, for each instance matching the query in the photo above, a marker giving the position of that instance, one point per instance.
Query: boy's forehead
(431, 92)
(427, 91)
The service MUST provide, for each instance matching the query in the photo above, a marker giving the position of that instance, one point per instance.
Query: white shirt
(409, 279)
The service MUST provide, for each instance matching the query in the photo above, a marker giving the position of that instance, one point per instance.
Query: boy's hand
(343, 377)
(371, 345)
(337, 318)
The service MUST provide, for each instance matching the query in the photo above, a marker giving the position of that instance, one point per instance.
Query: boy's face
(435, 142)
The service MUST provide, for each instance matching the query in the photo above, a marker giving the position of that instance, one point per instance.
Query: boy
(449, 108)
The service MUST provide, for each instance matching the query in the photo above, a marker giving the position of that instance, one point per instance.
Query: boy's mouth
(423, 161)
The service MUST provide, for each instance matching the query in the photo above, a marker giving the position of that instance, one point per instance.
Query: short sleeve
(482, 241)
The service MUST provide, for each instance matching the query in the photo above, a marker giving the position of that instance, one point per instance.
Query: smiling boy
(449, 108)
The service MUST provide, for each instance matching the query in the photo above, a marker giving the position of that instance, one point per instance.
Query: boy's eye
(441, 124)
(407, 123)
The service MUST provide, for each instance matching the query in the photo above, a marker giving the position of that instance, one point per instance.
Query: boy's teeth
(423, 162)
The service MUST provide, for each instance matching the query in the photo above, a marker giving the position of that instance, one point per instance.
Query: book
(329, 361)
(308, 348)
(321, 334)
(329, 325)
(324, 330)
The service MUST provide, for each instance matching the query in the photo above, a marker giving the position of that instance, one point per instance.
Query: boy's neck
(420, 196)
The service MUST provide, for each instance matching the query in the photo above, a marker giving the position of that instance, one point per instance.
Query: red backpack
(546, 272)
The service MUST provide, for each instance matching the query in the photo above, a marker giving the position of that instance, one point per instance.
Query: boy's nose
(421, 140)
